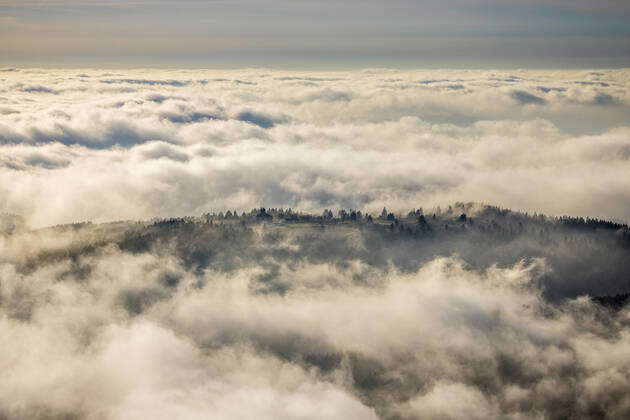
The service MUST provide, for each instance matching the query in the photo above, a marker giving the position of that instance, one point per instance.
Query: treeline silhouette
(583, 256)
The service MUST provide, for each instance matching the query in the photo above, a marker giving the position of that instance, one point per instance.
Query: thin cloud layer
(103, 145)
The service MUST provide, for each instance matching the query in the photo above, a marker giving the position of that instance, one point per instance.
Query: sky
(320, 34)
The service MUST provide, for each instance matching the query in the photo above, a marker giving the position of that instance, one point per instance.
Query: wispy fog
(329, 319)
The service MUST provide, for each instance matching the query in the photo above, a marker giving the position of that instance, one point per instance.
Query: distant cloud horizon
(107, 145)
(320, 35)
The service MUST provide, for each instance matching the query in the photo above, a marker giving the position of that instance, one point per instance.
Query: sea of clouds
(105, 145)
(114, 334)
(306, 324)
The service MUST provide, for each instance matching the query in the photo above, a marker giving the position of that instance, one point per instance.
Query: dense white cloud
(111, 334)
(102, 145)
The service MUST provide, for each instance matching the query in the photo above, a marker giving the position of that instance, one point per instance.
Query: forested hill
(581, 256)
(386, 305)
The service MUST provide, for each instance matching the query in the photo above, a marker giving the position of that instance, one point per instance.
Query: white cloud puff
(77, 145)
(111, 334)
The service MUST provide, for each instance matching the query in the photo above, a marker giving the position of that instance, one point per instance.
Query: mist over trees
(584, 256)
(262, 244)
(468, 311)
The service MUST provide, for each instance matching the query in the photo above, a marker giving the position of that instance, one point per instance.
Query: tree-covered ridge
(583, 256)
(387, 307)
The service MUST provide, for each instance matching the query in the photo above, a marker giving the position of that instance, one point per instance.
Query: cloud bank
(97, 145)
(284, 324)
(103, 146)
(488, 315)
